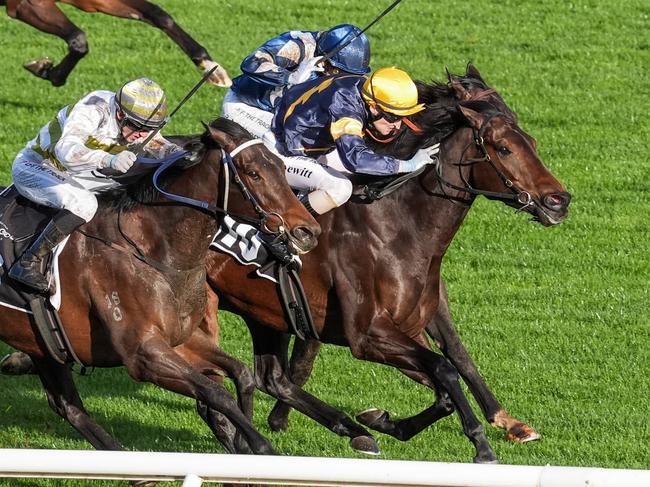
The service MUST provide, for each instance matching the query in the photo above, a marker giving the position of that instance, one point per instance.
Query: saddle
(21, 221)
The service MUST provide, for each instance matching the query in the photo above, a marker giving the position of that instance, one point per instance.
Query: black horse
(374, 280)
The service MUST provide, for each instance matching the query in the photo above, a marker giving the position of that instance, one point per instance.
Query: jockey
(287, 60)
(58, 168)
(320, 125)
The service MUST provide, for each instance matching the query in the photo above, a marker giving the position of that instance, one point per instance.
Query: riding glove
(421, 158)
(305, 69)
(121, 161)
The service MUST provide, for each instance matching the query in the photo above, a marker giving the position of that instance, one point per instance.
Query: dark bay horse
(374, 280)
(441, 327)
(47, 17)
(147, 314)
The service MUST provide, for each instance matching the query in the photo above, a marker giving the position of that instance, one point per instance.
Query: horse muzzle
(551, 208)
(303, 238)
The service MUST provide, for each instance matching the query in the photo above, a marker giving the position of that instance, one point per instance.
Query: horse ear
(472, 72)
(459, 90)
(221, 138)
(474, 118)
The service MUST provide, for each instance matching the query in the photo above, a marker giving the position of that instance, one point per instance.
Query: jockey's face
(130, 132)
(382, 125)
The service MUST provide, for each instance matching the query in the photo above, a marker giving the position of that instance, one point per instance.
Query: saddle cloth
(240, 241)
(21, 221)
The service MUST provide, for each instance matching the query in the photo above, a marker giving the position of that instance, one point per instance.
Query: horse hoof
(365, 444)
(372, 417)
(486, 461)
(278, 423)
(17, 363)
(522, 433)
(219, 77)
(39, 67)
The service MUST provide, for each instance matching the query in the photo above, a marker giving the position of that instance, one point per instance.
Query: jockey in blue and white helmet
(287, 60)
(59, 167)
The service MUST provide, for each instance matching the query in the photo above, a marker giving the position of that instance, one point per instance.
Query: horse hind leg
(159, 18)
(47, 17)
(406, 428)
(64, 399)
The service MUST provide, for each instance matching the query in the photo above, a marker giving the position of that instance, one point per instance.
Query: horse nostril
(305, 236)
(557, 201)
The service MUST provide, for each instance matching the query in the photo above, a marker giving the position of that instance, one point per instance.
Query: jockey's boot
(276, 246)
(27, 270)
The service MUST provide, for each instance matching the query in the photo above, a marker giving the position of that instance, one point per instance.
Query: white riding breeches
(41, 182)
(253, 119)
(312, 175)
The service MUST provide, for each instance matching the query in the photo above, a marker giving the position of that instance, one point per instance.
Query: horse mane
(141, 190)
(441, 116)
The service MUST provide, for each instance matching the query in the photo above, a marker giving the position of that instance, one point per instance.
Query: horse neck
(173, 233)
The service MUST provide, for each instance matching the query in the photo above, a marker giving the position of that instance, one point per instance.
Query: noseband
(522, 197)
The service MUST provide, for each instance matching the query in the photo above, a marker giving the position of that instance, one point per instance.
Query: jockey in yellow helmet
(325, 121)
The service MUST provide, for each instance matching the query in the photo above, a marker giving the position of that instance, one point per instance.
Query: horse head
(262, 173)
(500, 161)
(501, 157)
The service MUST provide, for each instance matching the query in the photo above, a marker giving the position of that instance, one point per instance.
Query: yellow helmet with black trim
(143, 102)
(393, 91)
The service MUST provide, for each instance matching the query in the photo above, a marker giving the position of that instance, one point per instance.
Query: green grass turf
(555, 318)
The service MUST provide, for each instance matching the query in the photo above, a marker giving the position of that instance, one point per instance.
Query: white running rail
(195, 468)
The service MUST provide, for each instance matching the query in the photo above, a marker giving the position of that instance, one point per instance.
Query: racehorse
(441, 326)
(133, 284)
(374, 283)
(47, 17)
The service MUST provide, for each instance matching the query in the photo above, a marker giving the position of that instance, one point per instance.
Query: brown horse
(441, 326)
(134, 286)
(47, 17)
(374, 280)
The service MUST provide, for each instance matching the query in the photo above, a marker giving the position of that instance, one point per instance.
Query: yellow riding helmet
(393, 91)
(143, 101)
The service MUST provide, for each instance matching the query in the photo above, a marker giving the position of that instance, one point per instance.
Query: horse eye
(503, 151)
(253, 175)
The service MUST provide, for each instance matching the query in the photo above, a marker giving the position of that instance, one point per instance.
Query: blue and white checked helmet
(353, 58)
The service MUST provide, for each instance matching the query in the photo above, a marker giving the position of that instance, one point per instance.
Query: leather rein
(213, 210)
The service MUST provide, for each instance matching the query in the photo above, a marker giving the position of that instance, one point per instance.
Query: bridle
(212, 210)
(517, 195)
(228, 165)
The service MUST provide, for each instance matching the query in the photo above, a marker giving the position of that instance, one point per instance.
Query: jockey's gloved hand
(121, 162)
(421, 158)
(305, 69)
(277, 247)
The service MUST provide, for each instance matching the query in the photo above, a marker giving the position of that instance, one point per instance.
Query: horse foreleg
(384, 343)
(441, 328)
(45, 16)
(159, 18)
(155, 361)
(64, 399)
(303, 355)
(270, 348)
(204, 355)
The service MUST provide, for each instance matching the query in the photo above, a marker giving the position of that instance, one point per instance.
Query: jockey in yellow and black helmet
(326, 119)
